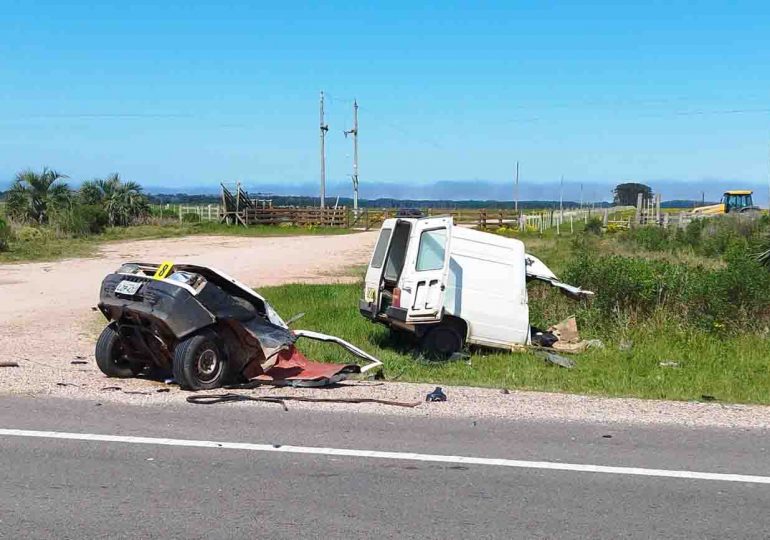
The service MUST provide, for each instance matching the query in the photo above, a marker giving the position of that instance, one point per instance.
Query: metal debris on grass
(557, 360)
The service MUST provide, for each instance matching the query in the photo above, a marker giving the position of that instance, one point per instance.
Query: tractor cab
(737, 201)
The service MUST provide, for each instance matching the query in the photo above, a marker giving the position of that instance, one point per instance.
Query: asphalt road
(65, 488)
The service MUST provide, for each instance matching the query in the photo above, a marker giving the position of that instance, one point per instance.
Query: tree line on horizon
(34, 196)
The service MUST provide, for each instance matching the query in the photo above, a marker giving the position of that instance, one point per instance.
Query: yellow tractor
(735, 201)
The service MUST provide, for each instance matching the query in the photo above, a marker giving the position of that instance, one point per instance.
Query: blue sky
(190, 93)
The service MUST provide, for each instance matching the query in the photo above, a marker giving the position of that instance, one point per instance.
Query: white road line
(406, 456)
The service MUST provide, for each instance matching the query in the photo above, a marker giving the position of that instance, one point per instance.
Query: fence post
(180, 213)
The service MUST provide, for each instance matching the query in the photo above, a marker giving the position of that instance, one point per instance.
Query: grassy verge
(733, 370)
(49, 246)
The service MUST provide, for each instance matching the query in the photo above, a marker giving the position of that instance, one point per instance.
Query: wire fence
(368, 218)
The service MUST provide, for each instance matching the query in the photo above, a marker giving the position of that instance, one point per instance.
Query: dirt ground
(47, 322)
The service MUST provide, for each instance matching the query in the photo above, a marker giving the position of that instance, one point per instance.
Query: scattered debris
(505, 391)
(558, 360)
(213, 399)
(566, 331)
(669, 363)
(706, 397)
(437, 395)
(67, 384)
(460, 355)
(111, 388)
(606, 436)
(625, 345)
(78, 362)
(595, 344)
(541, 338)
(9, 364)
(159, 390)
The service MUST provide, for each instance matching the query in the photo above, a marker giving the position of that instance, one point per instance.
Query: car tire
(111, 356)
(199, 363)
(443, 341)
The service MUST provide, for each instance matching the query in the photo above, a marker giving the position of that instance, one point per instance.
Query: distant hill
(684, 203)
(281, 200)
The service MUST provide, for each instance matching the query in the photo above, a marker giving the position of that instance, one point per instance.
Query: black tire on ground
(443, 340)
(111, 357)
(199, 363)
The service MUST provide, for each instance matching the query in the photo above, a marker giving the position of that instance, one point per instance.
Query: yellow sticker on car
(370, 294)
(163, 270)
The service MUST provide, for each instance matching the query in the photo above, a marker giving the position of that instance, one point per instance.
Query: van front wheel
(443, 340)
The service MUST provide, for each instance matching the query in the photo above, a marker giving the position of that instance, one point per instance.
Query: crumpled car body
(206, 327)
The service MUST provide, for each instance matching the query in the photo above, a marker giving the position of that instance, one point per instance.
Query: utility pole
(516, 202)
(581, 196)
(324, 129)
(354, 133)
(561, 199)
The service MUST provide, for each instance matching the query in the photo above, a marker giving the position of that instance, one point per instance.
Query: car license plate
(128, 288)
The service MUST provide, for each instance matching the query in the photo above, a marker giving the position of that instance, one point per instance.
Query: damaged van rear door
(407, 276)
(426, 270)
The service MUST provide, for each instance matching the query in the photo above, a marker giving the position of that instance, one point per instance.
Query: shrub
(82, 220)
(31, 234)
(711, 237)
(593, 226)
(651, 237)
(191, 217)
(735, 297)
(6, 235)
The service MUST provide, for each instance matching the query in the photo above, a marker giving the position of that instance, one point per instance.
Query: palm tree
(33, 195)
(123, 201)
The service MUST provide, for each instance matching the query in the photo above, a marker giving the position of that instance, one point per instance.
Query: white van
(453, 285)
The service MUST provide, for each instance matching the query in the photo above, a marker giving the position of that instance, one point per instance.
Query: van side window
(381, 249)
(430, 255)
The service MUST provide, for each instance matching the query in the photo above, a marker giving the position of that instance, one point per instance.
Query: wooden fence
(372, 218)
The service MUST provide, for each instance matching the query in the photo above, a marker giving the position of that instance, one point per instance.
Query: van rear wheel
(443, 340)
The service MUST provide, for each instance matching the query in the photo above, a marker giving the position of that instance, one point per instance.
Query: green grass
(52, 246)
(732, 370)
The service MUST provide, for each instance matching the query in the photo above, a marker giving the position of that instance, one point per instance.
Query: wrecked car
(451, 285)
(206, 328)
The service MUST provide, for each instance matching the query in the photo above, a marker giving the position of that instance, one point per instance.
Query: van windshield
(381, 249)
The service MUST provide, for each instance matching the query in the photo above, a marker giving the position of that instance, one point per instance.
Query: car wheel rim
(208, 365)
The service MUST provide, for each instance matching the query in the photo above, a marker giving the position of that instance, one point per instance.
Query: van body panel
(487, 287)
